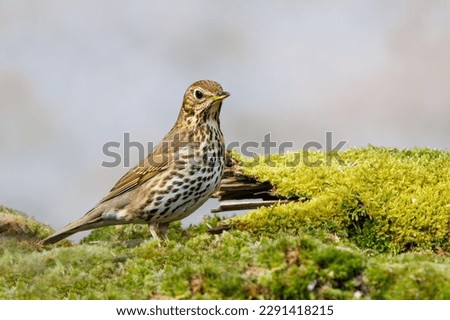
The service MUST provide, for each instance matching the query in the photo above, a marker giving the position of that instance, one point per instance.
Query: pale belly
(184, 194)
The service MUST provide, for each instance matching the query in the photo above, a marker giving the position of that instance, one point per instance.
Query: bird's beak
(222, 95)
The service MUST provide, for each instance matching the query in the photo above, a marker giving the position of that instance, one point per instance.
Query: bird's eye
(198, 94)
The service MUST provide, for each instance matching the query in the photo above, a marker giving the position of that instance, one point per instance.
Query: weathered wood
(236, 185)
(236, 206)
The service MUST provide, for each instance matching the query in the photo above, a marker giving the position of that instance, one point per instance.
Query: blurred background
(76, 74)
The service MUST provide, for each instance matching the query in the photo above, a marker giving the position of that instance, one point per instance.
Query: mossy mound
(379, 198)
(113, 264)
(15, 225)
(343, 242)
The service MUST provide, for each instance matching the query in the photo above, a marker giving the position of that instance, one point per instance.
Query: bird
(177, 176)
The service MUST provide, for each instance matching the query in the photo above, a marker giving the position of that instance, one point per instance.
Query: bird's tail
(89, 221)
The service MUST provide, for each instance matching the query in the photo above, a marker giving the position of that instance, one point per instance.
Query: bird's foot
(159, 230)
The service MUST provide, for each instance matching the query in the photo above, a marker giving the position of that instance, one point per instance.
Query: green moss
(409, 276)
(231, 265)
(15, 225)
(62, 272)
(382, 199)
(359, 235)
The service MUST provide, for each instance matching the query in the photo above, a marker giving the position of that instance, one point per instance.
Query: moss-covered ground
(375, 225)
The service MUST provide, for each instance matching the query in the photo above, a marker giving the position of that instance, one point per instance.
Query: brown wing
(155, 163)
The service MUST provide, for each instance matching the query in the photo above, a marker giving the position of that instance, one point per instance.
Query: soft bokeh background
(76, 74)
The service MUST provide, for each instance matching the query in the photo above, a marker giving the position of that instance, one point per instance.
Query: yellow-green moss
(409, 276)
(383, 199)
(327, 247)
(115, 264)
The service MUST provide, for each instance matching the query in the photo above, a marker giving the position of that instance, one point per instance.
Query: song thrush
(175, 179)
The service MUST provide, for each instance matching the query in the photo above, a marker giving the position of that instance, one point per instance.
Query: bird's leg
(163, 230)
(153, 229)
(159, 230)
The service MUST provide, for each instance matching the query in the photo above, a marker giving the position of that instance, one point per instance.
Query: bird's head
(202, 102)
